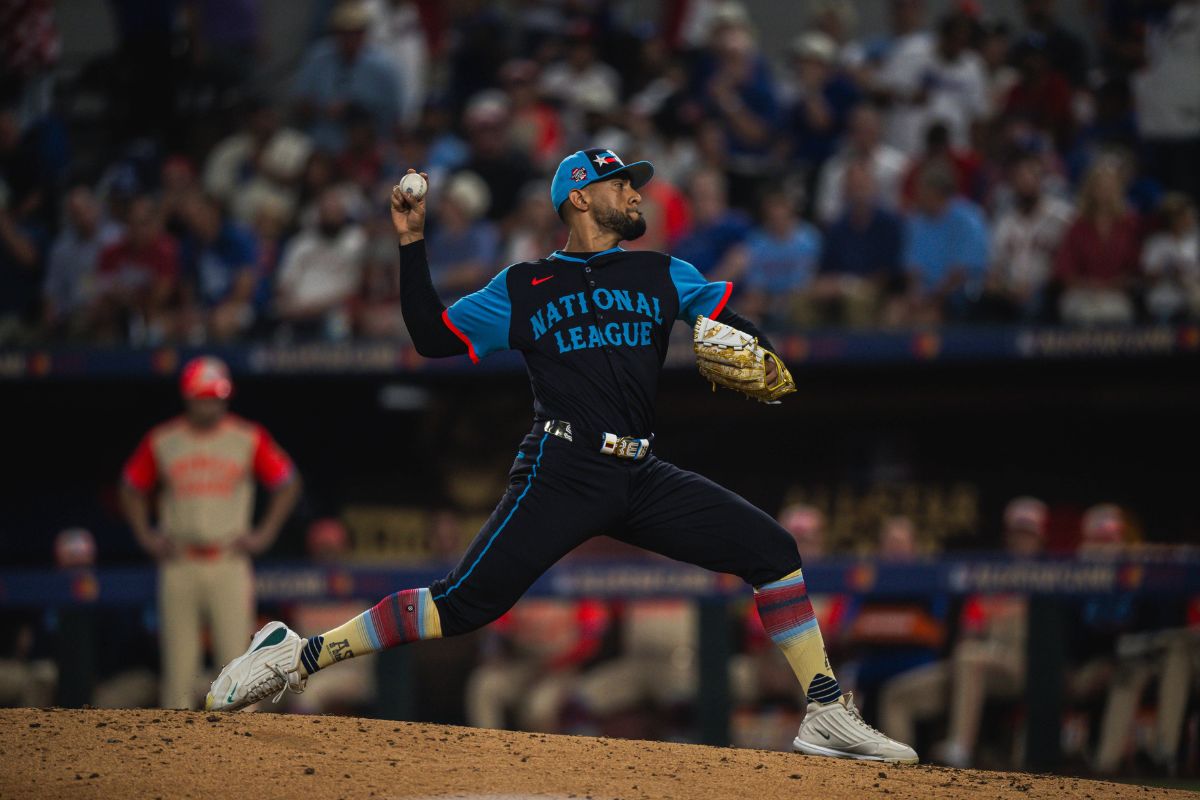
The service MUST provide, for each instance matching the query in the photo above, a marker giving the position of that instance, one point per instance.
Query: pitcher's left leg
(687, 517)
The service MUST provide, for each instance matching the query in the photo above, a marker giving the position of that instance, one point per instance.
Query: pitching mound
(170, 754)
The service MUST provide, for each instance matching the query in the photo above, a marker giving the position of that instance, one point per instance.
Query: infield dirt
(56, 753)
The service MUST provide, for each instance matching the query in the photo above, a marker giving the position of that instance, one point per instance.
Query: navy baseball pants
(560, 494)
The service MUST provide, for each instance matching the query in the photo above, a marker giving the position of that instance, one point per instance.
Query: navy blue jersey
(593, 330)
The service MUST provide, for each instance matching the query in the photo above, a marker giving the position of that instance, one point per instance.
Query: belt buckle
(627, 447)
(561, 429)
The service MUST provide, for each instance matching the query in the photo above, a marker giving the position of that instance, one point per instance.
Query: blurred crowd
(958, 169)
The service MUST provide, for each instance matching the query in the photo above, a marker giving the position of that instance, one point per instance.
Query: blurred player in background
(203, 465)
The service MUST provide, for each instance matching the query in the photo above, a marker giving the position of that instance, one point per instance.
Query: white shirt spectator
(318, 271)
(903, 71)
(1167, 92)
(958, 96)
(1172, 263)
(397, 31)
(1023, 245)
(888, 166)
(71, 268)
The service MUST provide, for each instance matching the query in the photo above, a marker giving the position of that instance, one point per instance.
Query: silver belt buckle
(561, 429)
(628, 447)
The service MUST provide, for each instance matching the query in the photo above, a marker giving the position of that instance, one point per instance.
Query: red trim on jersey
(271, 465)
(716, 312)
(454, 329)
(141, 470)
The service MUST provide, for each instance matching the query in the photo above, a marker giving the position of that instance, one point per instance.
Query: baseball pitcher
(592, 321)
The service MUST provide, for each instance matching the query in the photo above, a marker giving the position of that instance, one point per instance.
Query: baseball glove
(730, 358)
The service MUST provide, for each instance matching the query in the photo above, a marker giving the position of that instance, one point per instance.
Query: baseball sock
(396, 619)
(787, 615)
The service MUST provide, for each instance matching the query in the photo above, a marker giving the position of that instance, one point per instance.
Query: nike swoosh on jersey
(536, 281)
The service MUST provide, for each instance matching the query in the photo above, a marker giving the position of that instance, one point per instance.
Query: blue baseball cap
(584, 167)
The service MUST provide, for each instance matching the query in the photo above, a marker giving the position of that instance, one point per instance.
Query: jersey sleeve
(696, 295)
(141, 470)
(482, 319)
(272, 467)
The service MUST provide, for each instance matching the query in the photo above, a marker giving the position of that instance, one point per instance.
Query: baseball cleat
(838, 730)
(270, 667)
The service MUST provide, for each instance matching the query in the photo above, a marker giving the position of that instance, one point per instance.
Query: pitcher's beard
(620, 223)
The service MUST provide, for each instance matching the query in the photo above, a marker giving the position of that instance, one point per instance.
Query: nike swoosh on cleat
(229, 699)
(536, 281)
(823, 733)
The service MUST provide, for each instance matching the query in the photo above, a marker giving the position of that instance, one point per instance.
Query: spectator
(1098, 261)
(361, 161)
(955, 85)
(946, 248)
(396, 30)
(536, 229)
(1001, 75)
(464, 246)
(822, 99)
(1171, 263)
(1167, 96)
(71, 270)
(261, 159)
(581, 74)
(860, 259)
(501, 166)
(716, 228)
(537, 129)
(23, 237)
(221, 263)
(1023, 244)
(967, 165)
(987, 661)
(1068, 55)
(777, 263)
(888, 166)
(901, 73)
(837, 19)
(342, 71)
(1041, 95)
(138, 280)
(320, 273)
(738, 91)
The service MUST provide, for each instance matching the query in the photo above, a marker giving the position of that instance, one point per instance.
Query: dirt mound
(170, 754)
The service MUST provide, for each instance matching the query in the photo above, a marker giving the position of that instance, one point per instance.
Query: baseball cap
(206, 376)
(585, 167)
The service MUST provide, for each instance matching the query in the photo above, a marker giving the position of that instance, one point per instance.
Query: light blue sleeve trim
(485, 316)
(696, 295)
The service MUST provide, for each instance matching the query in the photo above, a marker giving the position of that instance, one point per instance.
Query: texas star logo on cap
(607, 158)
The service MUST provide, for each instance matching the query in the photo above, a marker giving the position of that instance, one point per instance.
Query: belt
(627, 447)
(204, 552)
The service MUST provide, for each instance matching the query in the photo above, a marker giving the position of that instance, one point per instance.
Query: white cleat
(269, 668)
(838, 730)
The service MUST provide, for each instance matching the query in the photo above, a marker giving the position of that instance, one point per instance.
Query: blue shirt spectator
(716, 228)
(737, 88)
(823, 99)
(869, 245)
(463, 246)
(777, 261)
(344, 71)
(947, 247)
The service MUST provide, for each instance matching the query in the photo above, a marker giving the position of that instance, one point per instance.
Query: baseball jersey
(593, 329)
(206, 477)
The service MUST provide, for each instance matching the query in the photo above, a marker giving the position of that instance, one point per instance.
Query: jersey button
(599, 316)
(587, 269)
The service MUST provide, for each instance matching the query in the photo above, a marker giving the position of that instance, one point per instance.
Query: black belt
(627, 447)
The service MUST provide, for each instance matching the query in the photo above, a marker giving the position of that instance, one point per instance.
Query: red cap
(206, 376)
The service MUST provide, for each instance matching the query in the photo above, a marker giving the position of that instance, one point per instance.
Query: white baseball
(413, 185)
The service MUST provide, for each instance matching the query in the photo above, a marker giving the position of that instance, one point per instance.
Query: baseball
(413, 185)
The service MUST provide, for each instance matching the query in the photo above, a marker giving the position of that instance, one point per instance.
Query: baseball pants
(561, 493)
(190, 592)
